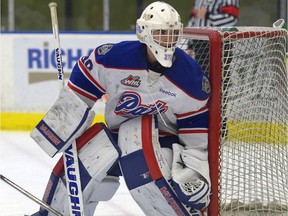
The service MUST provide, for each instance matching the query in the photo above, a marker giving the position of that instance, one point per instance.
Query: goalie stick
(29, 195)
(72, 166)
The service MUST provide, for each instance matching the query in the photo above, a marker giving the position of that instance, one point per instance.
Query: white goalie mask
(160, 28)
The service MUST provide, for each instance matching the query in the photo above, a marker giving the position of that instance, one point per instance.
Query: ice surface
(23, 162)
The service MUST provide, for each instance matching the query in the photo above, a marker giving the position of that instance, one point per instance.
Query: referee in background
(217, 13)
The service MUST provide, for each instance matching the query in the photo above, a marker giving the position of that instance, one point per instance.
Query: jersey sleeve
(193, 129)
(85, 79)
(192, 114)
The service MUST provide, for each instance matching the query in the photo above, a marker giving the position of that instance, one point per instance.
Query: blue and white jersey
(178, 96)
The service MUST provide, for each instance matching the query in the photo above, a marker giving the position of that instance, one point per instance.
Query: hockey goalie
(156, 131)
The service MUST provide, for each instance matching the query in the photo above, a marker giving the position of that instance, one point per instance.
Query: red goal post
(248, 119)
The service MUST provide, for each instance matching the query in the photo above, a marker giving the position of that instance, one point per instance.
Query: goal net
(248, 129)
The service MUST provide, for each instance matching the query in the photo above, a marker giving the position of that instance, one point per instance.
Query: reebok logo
(133, 81)
(167, 92)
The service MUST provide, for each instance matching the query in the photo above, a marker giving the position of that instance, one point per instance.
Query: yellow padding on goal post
(27, 121)
(259, 132)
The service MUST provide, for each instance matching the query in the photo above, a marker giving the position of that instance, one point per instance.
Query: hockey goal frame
(214, 37)
(214, 109)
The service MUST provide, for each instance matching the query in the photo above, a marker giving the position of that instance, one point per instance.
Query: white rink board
(28, 66)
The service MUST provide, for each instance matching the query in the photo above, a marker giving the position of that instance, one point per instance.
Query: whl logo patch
(133, 81)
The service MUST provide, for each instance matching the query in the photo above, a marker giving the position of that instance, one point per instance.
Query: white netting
(253, 150)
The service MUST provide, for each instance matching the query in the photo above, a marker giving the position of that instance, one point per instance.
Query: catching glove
(191, 188)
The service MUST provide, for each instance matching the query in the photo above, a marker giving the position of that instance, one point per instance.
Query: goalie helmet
(160, 28)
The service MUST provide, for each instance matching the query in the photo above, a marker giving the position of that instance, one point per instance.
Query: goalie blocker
(98, 153)
(67, 119)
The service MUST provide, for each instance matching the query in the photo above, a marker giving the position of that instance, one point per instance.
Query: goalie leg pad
(93, 193)
(144, 178)
(97, 153)
(67, 119)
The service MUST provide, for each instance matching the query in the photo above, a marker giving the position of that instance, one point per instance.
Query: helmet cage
(162, 39)
(166, 37)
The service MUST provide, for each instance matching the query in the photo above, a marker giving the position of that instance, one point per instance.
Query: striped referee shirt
(219, 13)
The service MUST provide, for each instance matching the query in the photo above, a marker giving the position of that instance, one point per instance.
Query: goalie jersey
(177, 95)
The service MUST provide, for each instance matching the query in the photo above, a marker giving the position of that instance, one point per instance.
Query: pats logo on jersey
(130, 105)
(133, 81)
(104, 49)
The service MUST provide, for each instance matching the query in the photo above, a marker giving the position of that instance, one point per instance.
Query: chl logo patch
(104, 49)
(133, 81)
(205, 85)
